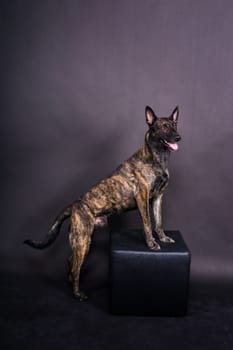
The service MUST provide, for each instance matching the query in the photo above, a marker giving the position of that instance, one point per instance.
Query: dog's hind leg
(80, 239)
(70, 262)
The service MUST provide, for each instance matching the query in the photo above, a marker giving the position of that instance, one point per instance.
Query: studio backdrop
(75, 79)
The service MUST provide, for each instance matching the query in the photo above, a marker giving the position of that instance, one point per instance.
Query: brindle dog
(137, 182)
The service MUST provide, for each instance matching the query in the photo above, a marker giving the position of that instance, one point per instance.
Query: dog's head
(163, 131)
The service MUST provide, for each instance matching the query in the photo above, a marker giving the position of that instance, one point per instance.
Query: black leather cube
(146, 282)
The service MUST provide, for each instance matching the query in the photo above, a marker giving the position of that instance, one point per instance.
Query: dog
(136, 183)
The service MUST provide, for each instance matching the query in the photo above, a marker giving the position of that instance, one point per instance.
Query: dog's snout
(178, 138)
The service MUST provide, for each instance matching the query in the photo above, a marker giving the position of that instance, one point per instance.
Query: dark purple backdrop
(76, 76)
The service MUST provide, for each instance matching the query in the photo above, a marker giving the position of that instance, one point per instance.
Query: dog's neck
(162, 156)
(157, 152)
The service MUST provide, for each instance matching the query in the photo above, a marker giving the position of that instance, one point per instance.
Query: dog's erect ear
(175, 114)
(150, 116)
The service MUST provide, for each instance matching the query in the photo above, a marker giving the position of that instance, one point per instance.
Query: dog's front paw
(152, 244)
(166, 239)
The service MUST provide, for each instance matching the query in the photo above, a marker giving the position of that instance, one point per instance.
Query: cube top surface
(134, 240)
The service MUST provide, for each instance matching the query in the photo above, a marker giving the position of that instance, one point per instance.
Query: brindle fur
(138, 182)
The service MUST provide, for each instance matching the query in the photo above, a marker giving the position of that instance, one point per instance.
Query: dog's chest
(155, 176)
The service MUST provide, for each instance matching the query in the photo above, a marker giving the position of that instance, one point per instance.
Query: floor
(39, 312)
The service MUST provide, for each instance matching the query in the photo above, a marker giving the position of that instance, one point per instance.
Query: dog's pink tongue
(173, 146)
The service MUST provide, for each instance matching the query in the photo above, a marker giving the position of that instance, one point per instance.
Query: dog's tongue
(173, 146)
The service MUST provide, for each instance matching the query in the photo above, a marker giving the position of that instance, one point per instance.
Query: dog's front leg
(142, 199)
(157, 209)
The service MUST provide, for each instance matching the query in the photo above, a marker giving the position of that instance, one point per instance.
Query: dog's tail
(53, 232)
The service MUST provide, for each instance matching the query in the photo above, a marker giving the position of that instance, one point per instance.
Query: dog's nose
(178, 138)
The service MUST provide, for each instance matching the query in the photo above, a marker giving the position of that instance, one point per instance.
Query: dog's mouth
(171, 145)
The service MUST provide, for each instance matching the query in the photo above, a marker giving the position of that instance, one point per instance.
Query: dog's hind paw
(80, 295)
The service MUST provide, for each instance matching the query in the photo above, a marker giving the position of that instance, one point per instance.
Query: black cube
(146, 282)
